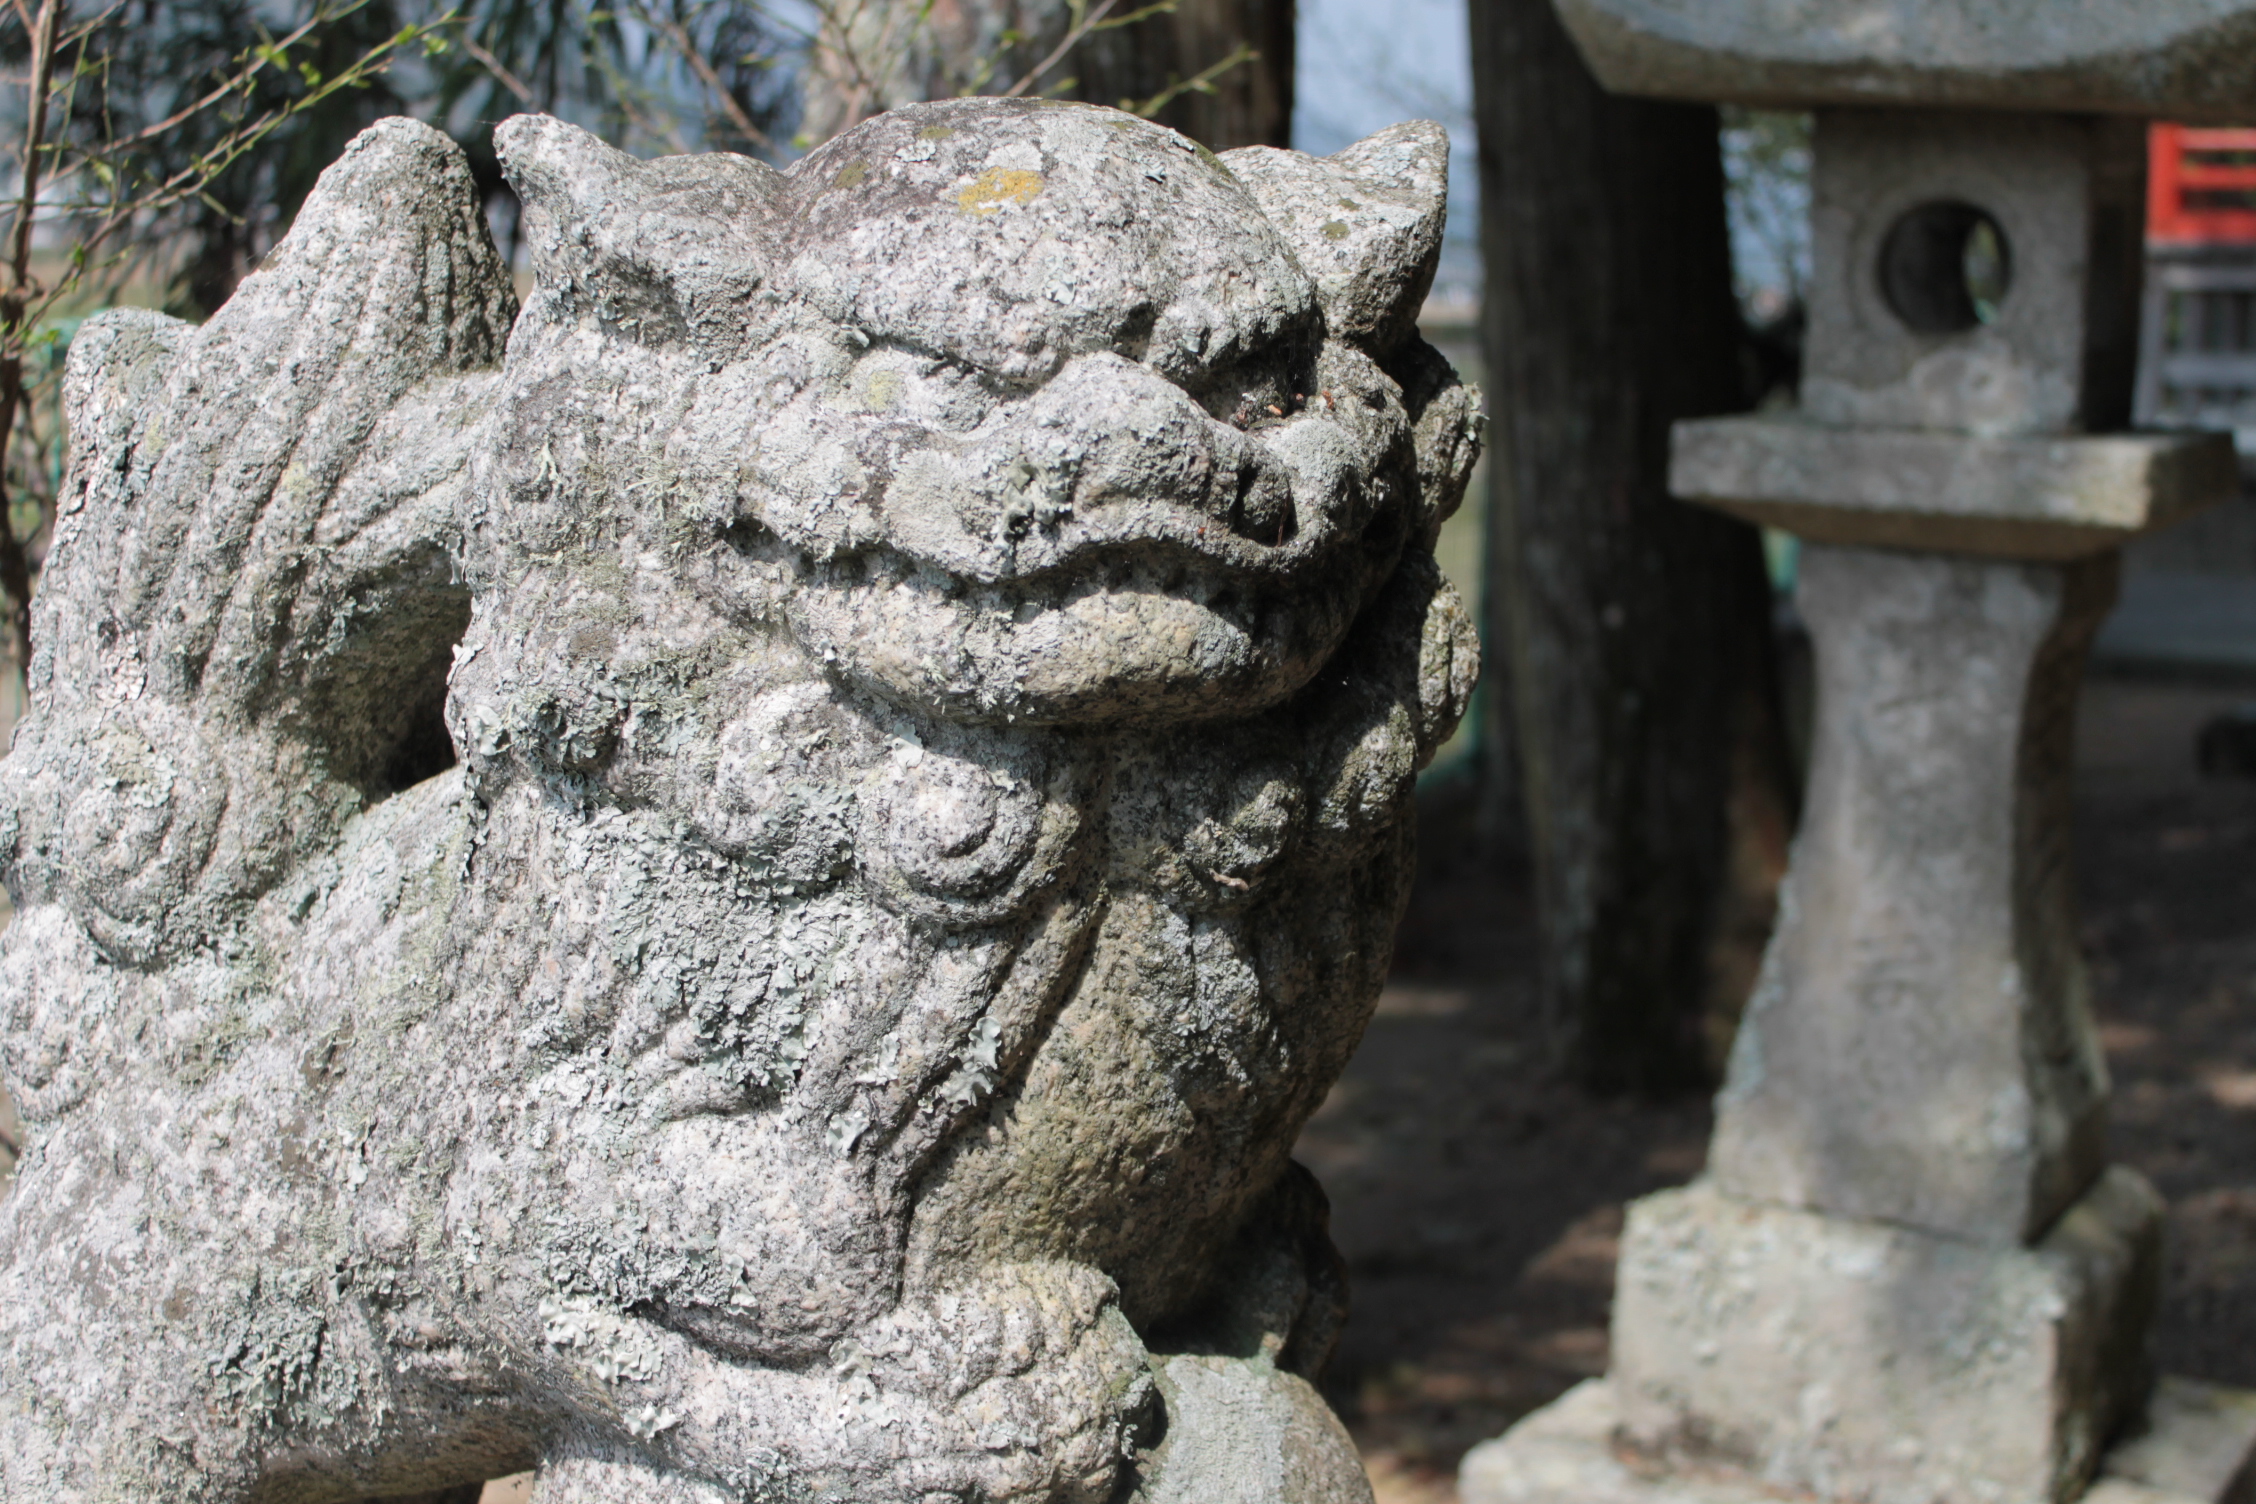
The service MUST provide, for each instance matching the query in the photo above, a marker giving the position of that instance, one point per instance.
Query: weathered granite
(1919, 1047)
(1909, 1277)
(2196, 1444)
(2067, 197)
(2044, 497)
(2179, 59)
(2194, 1441)
(1860, 1360)
(937, 643)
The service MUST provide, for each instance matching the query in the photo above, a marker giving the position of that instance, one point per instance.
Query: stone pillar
(1920, 1050)
(1908, 1268)
(1909, 1273)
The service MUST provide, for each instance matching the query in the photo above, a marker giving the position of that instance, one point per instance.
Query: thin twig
(867, 76)
(232, 85)
(1057, 53)
(710, 76)
(864, 80)
(52, 182)
(15, 568)
(35, 132)
(1200, 83)
(493, 65)
(1087, 26)
(191, 179)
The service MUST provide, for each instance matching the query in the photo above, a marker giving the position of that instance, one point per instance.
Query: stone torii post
(1909, 1273)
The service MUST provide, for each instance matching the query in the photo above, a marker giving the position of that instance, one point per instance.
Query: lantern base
(2197, 1445)
(1761, 1351)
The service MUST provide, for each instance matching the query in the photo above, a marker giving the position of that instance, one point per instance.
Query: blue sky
(1363, 65)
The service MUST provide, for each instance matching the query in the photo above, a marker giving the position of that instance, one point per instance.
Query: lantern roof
(2178, 59)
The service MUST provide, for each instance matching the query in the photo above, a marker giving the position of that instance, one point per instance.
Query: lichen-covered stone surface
(733, 885)
(2179, 59)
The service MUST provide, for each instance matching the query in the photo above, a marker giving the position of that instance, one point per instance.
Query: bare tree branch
(1200, 83)
(678, 35)
(233, 85)
(1081, 28)
(101, 193)
(493, 65)
(15, 567)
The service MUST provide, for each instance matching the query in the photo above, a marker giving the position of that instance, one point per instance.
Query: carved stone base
(1761, 1349)
(2197, 1446)
(1862, 1360)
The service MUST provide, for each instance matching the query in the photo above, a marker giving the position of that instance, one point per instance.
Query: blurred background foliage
(151, 152)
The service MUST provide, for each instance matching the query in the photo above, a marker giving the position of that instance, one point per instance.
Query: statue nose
(1245, 493)
(1119, 441)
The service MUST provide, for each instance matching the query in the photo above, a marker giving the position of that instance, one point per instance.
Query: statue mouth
(1144, 609)
(1105, 631)
(1100, 549)
(1107, 458)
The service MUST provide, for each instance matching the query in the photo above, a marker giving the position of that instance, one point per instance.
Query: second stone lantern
(1909, 1274)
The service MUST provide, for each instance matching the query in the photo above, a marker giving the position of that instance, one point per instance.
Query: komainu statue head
(734, 884)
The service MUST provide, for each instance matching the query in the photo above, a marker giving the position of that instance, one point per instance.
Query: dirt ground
(1478, 1199)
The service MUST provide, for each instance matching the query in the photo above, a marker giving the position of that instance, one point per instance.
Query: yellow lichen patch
(996, 187)
(881, 391)
(1335, 229)
(850, 174)
(934, 133)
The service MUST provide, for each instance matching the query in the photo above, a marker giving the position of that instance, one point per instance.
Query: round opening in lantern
(1945, 268)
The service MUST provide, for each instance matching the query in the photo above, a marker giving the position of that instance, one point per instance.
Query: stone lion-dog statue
(732, 886)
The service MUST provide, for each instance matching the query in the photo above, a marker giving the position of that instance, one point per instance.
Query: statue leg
(1024, 1383)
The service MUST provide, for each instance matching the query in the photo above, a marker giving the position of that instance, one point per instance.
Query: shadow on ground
(1478, 1199)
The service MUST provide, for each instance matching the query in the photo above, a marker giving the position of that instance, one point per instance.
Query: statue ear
(1365, 223)
(666, 252)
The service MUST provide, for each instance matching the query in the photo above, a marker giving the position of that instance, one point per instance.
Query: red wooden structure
(2200, 186)
(2197, 356)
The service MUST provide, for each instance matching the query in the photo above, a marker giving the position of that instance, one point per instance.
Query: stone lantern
(1909, 1274)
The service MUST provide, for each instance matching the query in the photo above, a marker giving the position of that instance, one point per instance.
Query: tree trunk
(1250, 104)
(1633, 630)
